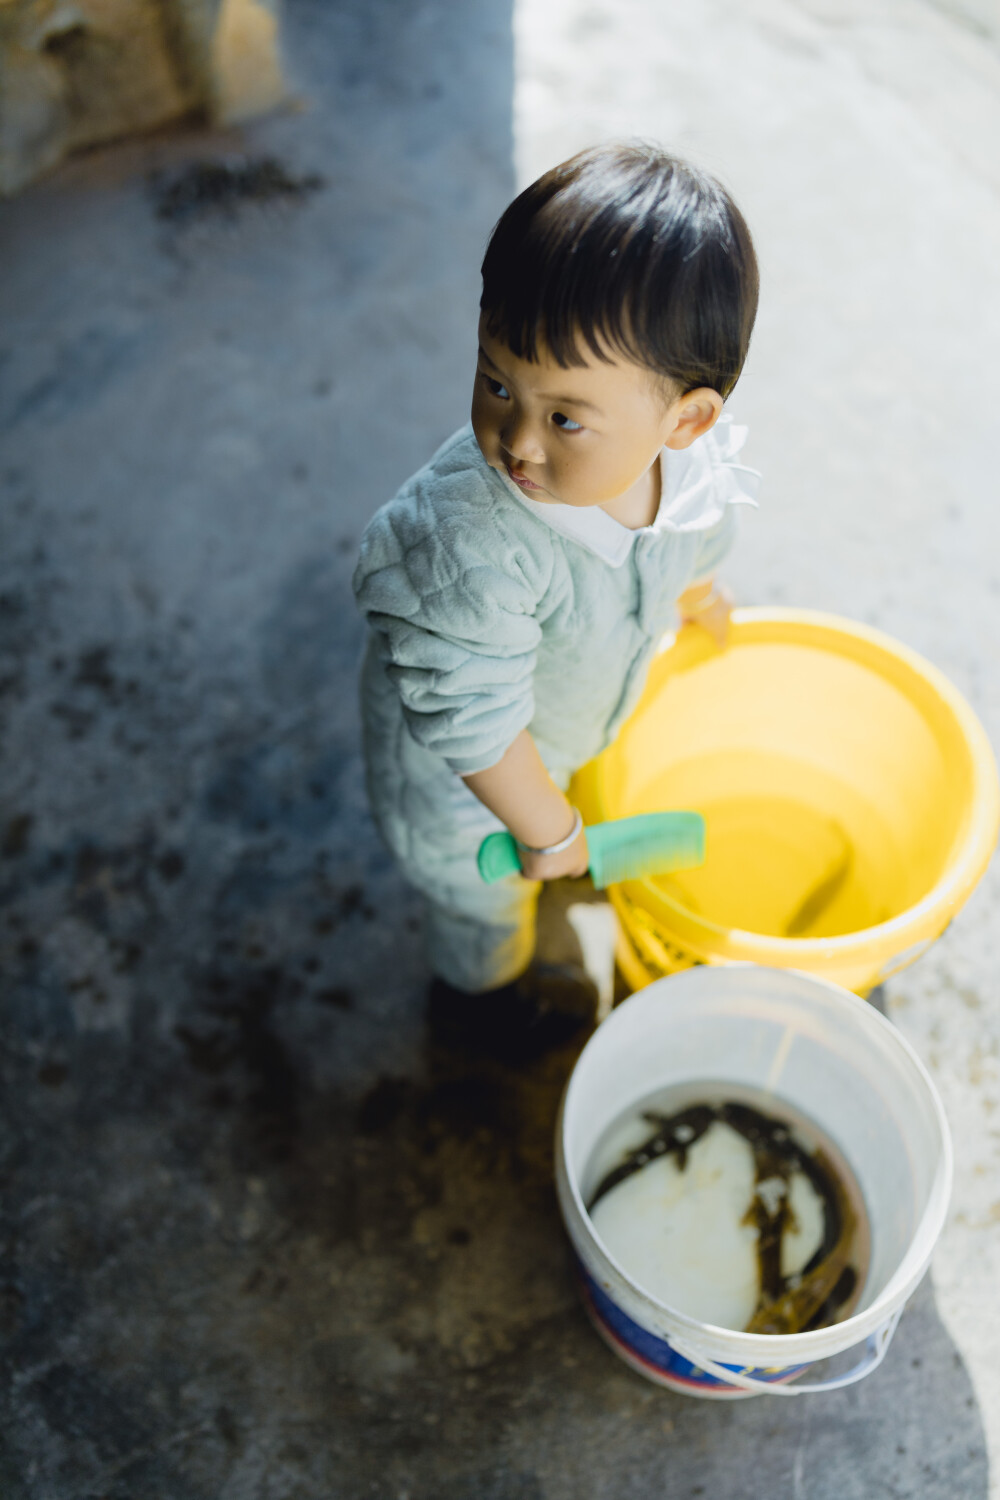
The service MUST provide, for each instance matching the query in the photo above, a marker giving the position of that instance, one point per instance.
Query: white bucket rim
(755, 1350)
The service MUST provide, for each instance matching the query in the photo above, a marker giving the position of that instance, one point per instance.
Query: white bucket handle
(876, 1348)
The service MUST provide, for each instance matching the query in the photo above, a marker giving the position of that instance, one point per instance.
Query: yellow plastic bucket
(850, 796)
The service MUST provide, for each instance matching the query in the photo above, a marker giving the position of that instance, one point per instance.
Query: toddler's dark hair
(630, 250)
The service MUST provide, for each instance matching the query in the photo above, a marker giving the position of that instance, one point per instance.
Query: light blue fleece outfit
(489, 613)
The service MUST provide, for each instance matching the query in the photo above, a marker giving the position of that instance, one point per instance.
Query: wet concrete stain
(240, 1039)
(225, 186)
(337, 994)
(53, 1074)
(14, 841)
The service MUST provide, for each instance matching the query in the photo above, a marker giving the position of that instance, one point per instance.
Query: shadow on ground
(235, 1279)
(258, 1238)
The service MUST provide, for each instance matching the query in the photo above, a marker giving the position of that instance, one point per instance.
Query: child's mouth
(521, 480)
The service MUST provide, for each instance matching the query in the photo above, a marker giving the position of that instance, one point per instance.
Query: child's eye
(495, 388)
(566, 423)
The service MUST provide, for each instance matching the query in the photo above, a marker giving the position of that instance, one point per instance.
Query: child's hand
(710, 606)
(571, 861)
(522, 794)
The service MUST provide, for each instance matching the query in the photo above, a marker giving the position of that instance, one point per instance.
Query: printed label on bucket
(655, 1358)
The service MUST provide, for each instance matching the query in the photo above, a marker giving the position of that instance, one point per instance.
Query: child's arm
(522, 794)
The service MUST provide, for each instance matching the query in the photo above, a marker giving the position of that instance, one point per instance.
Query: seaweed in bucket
(786, 1304)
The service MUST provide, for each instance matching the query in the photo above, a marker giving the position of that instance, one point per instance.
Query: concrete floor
(260, 1241)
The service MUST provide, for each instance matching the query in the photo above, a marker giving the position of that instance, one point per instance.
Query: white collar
(696, 485)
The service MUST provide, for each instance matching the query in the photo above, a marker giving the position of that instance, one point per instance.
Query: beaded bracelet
(562, 844)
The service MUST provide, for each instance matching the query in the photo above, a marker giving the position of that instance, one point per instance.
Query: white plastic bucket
(832, 1057)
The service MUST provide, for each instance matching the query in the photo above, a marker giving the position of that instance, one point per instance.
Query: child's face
(579, 436)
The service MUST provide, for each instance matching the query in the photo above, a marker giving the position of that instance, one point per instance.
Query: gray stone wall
(74, 73)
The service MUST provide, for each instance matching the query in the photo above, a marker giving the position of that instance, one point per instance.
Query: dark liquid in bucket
(704, 1180)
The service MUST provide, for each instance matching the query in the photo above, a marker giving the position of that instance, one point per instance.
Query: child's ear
(693, 415)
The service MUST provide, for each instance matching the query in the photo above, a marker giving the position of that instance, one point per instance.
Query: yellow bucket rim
(787, 626)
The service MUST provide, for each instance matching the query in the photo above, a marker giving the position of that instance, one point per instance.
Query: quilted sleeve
(452, 593)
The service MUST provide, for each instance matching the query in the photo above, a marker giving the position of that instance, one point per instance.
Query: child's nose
(521, 441)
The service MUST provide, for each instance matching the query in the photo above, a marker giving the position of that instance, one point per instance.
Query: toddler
(517, 586)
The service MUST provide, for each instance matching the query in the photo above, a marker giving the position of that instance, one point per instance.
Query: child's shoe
(539, 1012)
